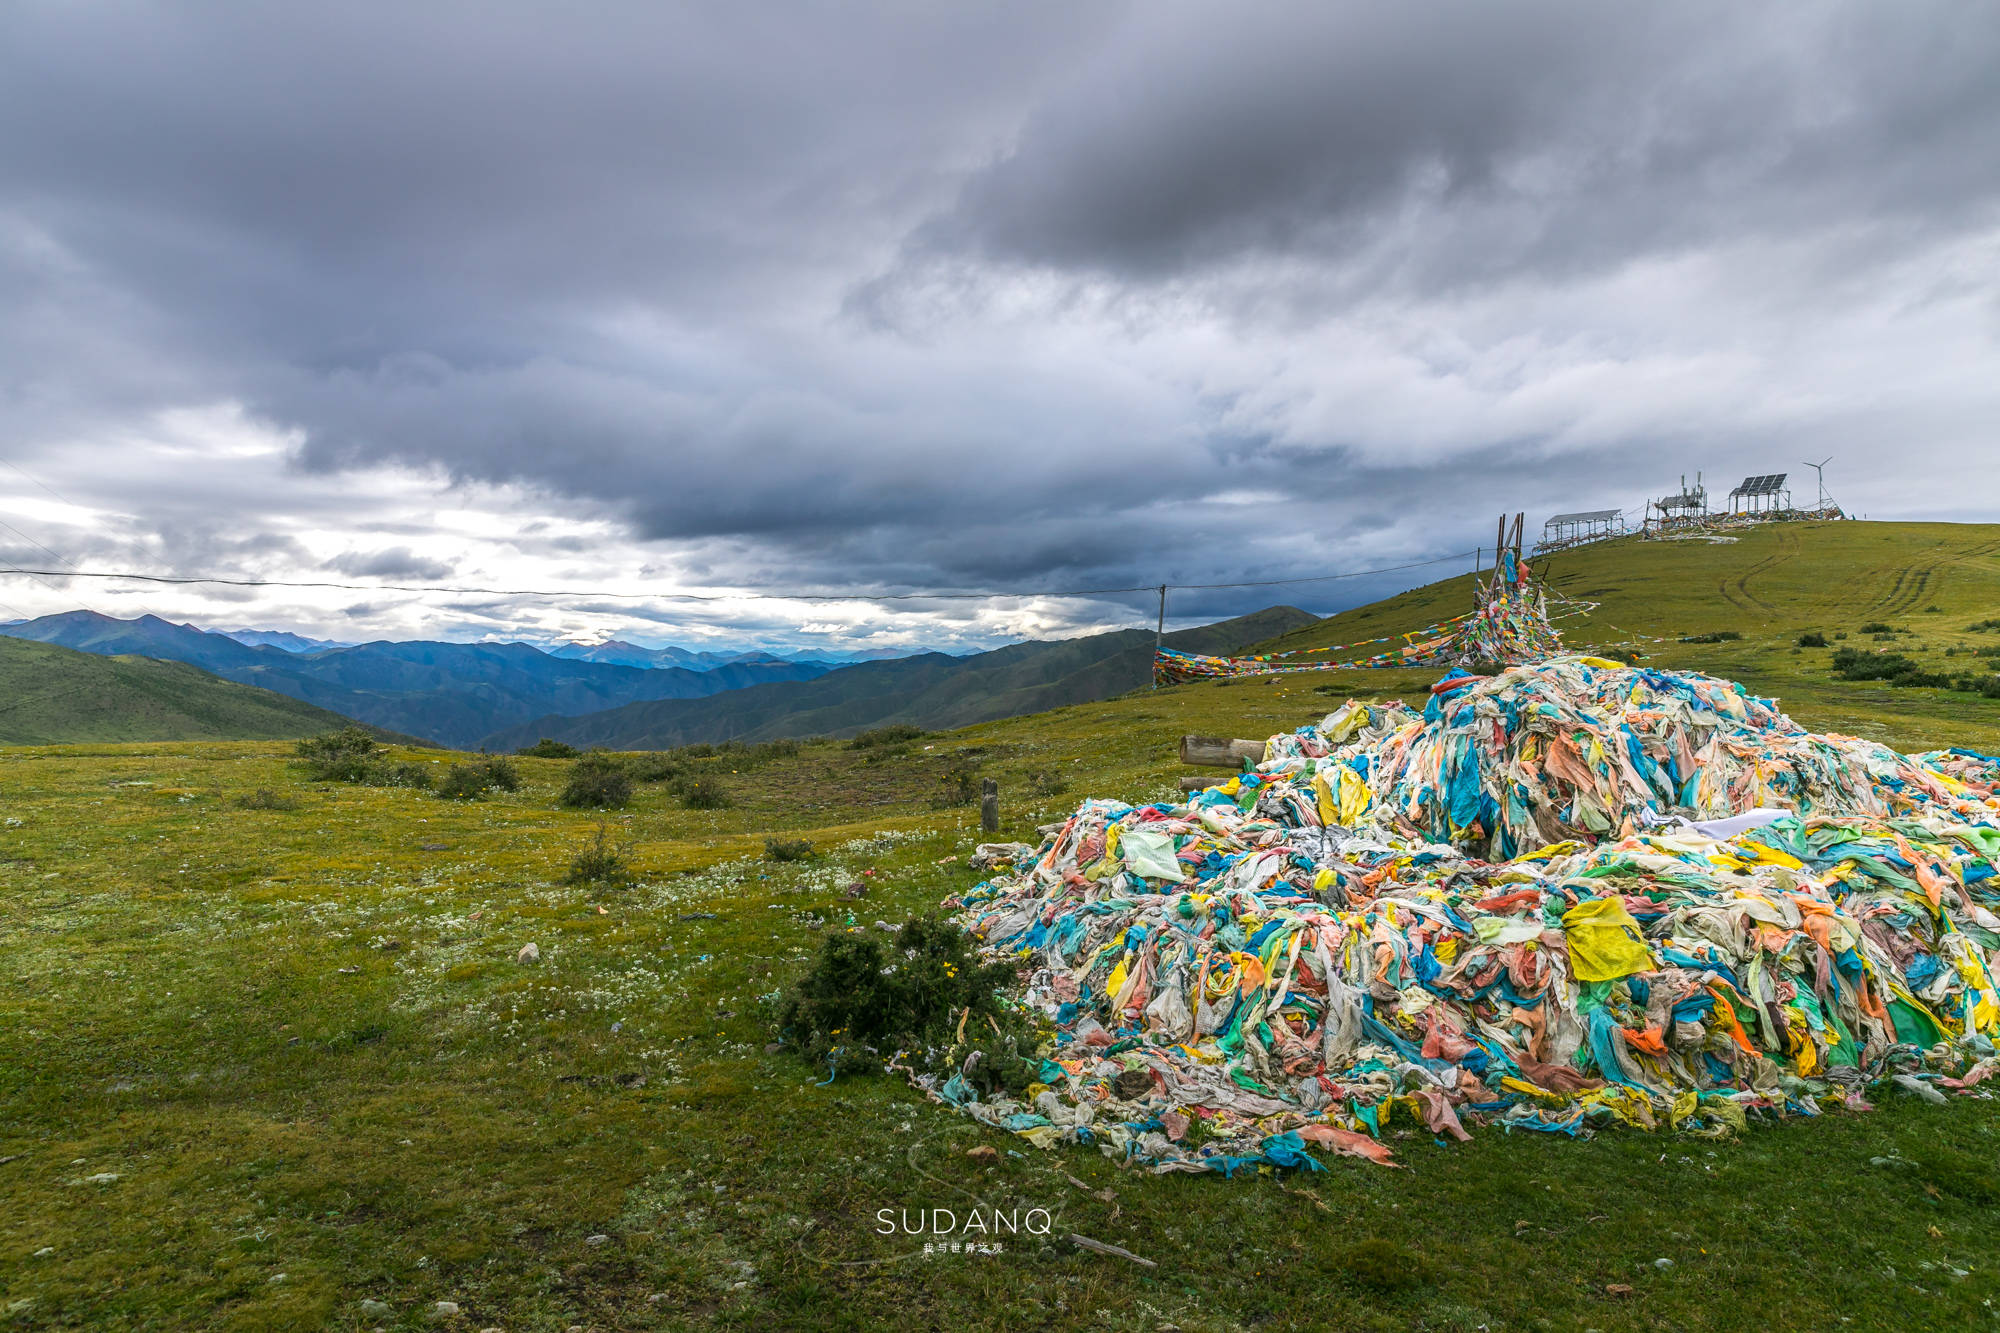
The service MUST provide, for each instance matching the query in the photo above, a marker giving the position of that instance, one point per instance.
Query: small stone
(101, 1178)
(658, 1298)
(984, 1154)
(599, 1239)
(45, 1251)
(275, 1278)
(374, 1309)
(1663, 1264)
(493, 1328)
(432, 846)
(529, 953)
(1617, 1289)
(388, 945)
(445, 1310)
(858, 889)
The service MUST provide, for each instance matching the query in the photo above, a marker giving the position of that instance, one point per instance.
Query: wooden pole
(1160, 636)
(989, 806)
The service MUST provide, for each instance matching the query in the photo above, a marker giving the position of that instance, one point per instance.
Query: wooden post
(1215, 752)
(989, 806)
(1160, 637)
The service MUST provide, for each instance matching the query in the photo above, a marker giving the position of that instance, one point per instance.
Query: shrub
(908, 992)
(471, 782)
(266, 799)
(890, 735)
(597, 781)
(1896, 669)
(338, 756)
(1987, 686)
(1981, 626)
(655, 766)
(1713, 636)
(1877, 627)
(336, 744)
(600, 861)
(787, 849)
(1812, 640)
(405, 774)
(500, 771)
(547, 749)
(705, 793)
(1840, 634)
(464, 782)
(957, 785)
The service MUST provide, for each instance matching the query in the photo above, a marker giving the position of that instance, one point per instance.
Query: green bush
(415, 776)
(867, 996)
(597, 781)
(893, 734)
(957, 785)
(600, 862)
(464, 782)
(1713, 636)
(547, 749)
(1981, 626)
(1877, 627)
(501, 772)
(1813, 640)
(656, 766)
(266, 799)
(1894, 668)
(705, 793)
(345, 755)
(787, 849)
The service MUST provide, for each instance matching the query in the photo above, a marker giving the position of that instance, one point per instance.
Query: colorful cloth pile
(1510, 623)
(1696, 914)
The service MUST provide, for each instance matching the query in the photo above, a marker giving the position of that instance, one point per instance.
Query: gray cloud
(1024, 297)
(396, 562)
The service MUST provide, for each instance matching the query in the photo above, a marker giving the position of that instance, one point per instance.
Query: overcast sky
(842, 297)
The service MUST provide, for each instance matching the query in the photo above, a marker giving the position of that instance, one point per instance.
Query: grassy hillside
(51, 694)
(930, 690)
(1926, 581)
(245, 1043)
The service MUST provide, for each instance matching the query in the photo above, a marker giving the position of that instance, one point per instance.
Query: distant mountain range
(51, 695)
(617, 652)
(450, 693)
(930, 690)
(278, 638)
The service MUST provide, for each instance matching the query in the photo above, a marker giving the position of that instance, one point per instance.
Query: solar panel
(1768, 483)
(1587, 516)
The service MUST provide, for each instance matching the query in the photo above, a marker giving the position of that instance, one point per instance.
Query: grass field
(260, 1067)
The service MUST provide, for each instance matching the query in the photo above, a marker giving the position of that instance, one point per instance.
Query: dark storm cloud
(1017, 297)
(1487, 139)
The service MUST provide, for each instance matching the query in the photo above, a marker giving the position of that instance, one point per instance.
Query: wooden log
(1199, 784)
(1215, 752)
(989, 806)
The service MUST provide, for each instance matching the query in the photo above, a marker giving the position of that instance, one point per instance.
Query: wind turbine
(1820, 469)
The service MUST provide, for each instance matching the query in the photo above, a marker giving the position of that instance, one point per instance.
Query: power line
(581, 593)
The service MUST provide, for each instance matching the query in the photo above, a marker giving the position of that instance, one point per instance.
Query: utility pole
(1160, 636)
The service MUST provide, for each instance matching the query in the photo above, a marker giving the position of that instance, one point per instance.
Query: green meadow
(273, 1061)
